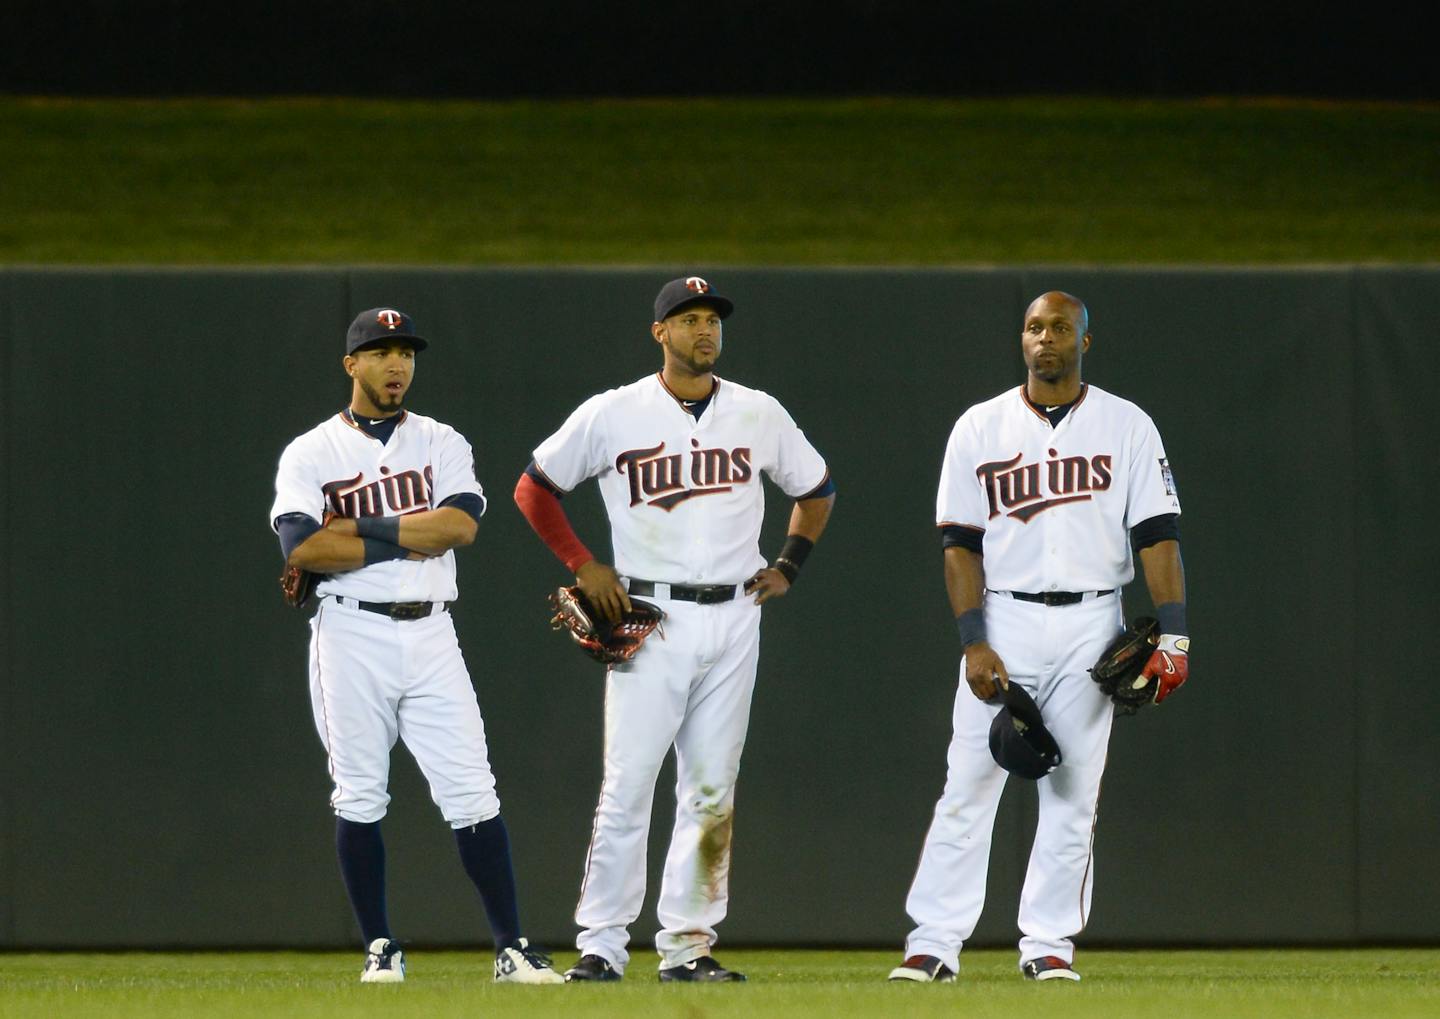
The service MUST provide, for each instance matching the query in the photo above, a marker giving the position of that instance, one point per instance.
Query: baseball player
(678, 457)
(384, 660)
(1048, 493)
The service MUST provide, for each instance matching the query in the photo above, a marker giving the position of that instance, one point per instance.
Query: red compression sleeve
(548, 519)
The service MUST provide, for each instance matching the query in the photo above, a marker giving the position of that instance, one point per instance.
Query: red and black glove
(1169, 665)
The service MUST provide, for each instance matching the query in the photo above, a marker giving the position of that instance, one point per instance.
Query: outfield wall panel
(162, 783)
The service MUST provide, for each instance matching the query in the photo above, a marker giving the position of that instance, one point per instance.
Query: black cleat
(925, 969)
(1049, 967)
(704, 970)
(591, 967)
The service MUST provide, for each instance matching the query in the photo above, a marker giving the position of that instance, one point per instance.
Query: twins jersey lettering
(336, 466)
(1056, 504)
(684, 498)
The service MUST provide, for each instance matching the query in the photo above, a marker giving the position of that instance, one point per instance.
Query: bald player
(1049, 493)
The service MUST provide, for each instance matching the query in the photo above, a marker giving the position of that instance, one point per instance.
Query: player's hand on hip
(984, 670)
(1170, 661)
(601, 585)
(767, 583)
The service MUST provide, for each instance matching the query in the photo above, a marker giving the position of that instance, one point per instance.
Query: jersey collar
(1039, 411)
(387, 425)
(714, 388)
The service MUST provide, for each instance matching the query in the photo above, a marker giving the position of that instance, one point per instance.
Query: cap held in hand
(1019, 741)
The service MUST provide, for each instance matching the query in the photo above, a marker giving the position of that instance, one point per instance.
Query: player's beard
(1053, 369)
(693, 364)
(382, 401)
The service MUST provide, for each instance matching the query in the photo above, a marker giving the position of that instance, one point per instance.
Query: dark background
(444, 48)
(161, 782)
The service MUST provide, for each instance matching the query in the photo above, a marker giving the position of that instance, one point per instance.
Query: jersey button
(1054, 587)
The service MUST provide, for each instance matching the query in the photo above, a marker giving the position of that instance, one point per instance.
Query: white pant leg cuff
(471, 822)
(947, 955)
(680, 957)
(371, 816)
(603, 942)
(1037, 948)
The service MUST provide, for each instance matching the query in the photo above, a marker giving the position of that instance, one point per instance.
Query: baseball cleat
(520, 964)
(591, 967)
(925, 969)
(704, 970)
(1048, 967)
(384, 963)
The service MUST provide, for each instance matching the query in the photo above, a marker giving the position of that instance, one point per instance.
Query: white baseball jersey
(1056, 504)
(684, 497)
(336, 466)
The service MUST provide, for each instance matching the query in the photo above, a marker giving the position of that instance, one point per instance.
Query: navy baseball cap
(381, 324)
(1019, 741)
(686, 291)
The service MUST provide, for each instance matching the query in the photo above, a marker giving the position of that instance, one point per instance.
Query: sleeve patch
(1167, 476)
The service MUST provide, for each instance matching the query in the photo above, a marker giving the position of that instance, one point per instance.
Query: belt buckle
(409, 610)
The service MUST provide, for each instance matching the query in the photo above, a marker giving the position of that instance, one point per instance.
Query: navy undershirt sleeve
(957, 535)
(467, 501)
(1165, 527)
(543, 481)
(293, 529)
(827, 487)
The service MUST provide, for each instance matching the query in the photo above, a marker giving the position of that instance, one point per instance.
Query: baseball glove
(606, 642)
(297, 586)
(1118, 669)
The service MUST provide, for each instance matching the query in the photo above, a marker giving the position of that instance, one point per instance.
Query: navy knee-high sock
(362, 865)
(485, 853)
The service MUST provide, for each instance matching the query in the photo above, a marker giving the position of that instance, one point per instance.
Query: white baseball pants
(691, 690)
(1047, 650)
(373, 680)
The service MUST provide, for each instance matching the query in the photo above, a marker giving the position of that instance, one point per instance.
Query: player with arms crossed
(678, 457)
(1046, 495)
(384, 659)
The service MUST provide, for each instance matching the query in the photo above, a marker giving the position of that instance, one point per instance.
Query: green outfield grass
(1392, 983)
(713, 182)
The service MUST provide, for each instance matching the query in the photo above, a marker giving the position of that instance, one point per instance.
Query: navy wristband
(1171, 616)
(971, 625)
(377, 551)
(384, 528)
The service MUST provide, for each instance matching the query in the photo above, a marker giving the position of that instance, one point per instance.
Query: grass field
(1392, 983)
(713, 182)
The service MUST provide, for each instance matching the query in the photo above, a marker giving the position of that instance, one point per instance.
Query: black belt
(709, 594)
(1056, 597)
(395, 609)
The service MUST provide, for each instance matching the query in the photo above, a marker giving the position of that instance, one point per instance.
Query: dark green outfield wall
(162, 785)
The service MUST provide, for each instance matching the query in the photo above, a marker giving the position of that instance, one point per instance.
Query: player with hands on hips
(376, 499)
(678, 457)
(1048, 495)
